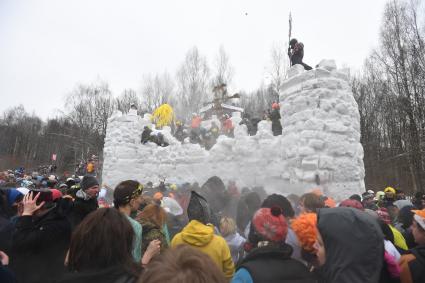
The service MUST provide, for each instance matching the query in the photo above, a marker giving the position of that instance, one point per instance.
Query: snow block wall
(320, 143)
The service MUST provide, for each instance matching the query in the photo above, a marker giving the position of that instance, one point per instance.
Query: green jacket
(152, 232)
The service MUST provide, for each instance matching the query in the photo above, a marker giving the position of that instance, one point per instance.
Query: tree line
(390, 92)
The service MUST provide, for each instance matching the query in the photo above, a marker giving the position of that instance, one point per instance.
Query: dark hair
(182, 264)
(293, 42)
(103, 239)
(356, 197)
(125, 191)
(312, 202)
(405, 216)
(281, 202)
(5, 209)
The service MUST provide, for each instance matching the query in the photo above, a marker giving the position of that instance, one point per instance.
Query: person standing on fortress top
(296, 53)
(275, 117)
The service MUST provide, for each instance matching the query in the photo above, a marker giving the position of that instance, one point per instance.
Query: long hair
(182, 264)
(153, 213)
(312, 202)
(103, 239)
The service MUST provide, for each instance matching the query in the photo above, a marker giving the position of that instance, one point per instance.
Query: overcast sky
(48, 46)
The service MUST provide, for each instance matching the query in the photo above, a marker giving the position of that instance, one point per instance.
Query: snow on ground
(320, 142)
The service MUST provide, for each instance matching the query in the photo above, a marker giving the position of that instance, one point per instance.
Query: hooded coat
(277, 262)
(81, 207)
(202, 238)
(354, 246)
(39, 247)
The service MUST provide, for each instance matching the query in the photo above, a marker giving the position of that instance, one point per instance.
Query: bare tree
(223, 71)
(391, 97)
(256, 102)
(157, 90)
(128, 97)
(192, 79)
(277, 70)
(89, 107)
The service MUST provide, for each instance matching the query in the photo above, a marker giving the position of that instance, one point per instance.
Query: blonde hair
(227, 226)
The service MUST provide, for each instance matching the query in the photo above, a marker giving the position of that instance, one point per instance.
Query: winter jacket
(399, 240)
(39, 247)
(196, 122)
(152, 232)
(146, 135)
(80, 209)
(137, 242)
(413, 266)
(276, 125)
(6, 231)
(105, 275)
(202, 237)
(354, 245)
(6, 276)
(272, 264)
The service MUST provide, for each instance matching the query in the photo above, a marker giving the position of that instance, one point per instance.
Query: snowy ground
(321, 140)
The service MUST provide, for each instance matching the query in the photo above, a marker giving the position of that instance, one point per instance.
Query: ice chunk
(329, 65)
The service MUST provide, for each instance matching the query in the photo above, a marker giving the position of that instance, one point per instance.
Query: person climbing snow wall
(296, 53)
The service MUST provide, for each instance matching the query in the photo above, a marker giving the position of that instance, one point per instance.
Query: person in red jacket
(195, 131)
(227, 127)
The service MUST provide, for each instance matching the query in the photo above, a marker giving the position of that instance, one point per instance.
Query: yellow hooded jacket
(202, 237)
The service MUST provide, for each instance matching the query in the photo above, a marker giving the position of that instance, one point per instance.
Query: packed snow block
(343, 74)
(310, 164)
(336, 127)
(316, 144)
(326, 64)
(306, 151)
(322, 73)
(326, 162)
(296, 70)
(240, 131)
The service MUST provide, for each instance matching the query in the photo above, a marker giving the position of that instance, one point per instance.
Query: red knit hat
(270, 224)
(352, 203)
(56, 194)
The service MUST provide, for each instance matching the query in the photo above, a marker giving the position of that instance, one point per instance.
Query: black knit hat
(88, 182)
(198, 208)
(281, 202)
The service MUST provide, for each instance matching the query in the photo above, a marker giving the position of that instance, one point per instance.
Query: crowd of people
(75, 230)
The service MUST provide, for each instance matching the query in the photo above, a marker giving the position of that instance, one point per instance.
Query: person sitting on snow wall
(296, 53)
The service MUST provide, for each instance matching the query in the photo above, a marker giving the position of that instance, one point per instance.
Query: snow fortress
(320, 144)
